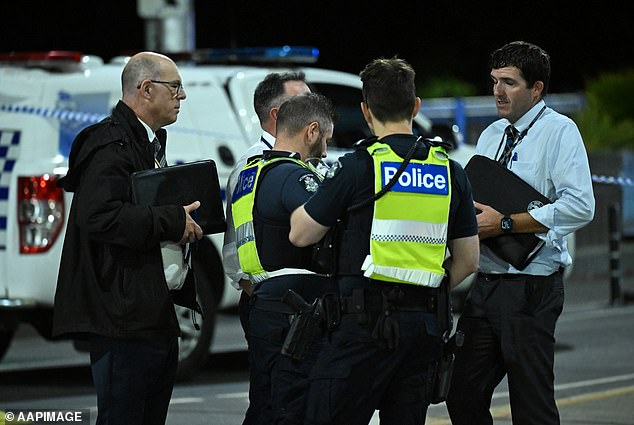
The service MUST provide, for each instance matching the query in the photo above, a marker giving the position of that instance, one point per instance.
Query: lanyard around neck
(263, 140)
(521, 136)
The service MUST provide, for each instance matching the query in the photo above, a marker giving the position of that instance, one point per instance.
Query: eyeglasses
(176, 87)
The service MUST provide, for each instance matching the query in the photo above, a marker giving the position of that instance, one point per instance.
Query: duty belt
(396, 298)
(375, 306)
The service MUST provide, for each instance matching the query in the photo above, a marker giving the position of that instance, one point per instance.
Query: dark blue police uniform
(282, 188)
(378, 358)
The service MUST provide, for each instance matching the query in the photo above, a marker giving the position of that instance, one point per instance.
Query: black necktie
(159, 153)
(511, 135)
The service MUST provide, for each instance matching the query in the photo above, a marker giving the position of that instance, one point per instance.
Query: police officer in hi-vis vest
(268, 189)
(392, 226)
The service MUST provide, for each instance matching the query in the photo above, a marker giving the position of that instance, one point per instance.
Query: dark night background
(440, 39)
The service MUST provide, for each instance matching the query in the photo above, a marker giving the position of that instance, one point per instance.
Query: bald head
(142, 66)
(152, 87)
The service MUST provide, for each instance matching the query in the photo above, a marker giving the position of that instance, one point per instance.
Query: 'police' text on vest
(418, 178)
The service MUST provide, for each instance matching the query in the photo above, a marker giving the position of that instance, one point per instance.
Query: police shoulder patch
(310, 182)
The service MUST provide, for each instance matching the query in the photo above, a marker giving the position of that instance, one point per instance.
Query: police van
(46, 98)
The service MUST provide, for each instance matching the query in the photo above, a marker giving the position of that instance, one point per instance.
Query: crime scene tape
(60, 114)
(92, 118)
(620, 181)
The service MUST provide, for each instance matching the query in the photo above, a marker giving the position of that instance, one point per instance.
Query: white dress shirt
(175, 267)
(552, 158)
(230, 260)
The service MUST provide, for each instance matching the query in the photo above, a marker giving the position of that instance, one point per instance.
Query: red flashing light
(40, 213)
(52, 56)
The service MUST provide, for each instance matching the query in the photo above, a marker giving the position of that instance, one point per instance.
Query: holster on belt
(444, 369)
(444, 366)
(307, 321)
(304, 327)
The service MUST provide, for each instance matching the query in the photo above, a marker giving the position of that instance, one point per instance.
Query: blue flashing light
(283, 54)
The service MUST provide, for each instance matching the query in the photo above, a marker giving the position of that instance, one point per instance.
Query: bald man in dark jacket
(111, 288)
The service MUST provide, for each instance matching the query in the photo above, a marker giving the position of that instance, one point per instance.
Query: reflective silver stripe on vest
(415, 277)
(281, 272)
(244, 234)
(409, 231)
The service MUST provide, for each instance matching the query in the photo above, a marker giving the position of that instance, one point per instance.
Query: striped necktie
(159, 153)
(511, 134)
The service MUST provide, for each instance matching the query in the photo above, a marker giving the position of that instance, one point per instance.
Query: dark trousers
(288, 379)
(244, 309)
(354, 375)
(259, 411)
(133, 378)
(509, 326)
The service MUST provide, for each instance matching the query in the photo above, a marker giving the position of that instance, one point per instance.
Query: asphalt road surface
(593, 366)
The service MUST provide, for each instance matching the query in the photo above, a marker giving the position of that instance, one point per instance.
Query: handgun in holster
(305, 326)
(444, 367)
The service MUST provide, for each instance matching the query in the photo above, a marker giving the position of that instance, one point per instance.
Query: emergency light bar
(283, 54)
(57, 60)
(53, 56)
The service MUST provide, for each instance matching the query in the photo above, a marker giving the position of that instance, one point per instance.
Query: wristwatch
(506, 224)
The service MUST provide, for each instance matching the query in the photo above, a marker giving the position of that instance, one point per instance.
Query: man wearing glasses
(112, 288)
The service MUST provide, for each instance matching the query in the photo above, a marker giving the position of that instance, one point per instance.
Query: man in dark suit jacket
(111, 287)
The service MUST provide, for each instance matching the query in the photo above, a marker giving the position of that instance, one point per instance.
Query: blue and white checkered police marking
(417, 178)
(9, 152)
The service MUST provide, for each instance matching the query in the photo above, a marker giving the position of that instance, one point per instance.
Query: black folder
(500, 188)
(181, 185)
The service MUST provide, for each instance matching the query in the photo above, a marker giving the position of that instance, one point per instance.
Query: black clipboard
(181, 185)
(493, 184)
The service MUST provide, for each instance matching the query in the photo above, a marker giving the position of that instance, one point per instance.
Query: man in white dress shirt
(510, 315)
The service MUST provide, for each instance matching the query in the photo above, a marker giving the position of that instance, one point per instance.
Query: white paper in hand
(174, 265)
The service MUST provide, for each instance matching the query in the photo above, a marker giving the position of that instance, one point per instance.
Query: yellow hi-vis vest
(243, 201)
(410, 222)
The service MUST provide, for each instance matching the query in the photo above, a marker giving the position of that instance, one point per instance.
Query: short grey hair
(139, 68)
(299, 111)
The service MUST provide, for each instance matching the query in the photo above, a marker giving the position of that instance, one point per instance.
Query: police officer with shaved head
(268, 189)
(269, 95)
(396, 203)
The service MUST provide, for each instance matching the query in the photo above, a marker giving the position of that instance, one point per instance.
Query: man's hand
(192, 232)
(246, 286)
(488, 221)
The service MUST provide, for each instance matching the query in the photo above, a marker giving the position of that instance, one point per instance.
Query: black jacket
(111, 279)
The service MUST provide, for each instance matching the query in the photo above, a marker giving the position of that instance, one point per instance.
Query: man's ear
(273, 114)
(367, 115)
(366, 112)
(538, 89)
(145, 88)
(312, 133)
(416, 106)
